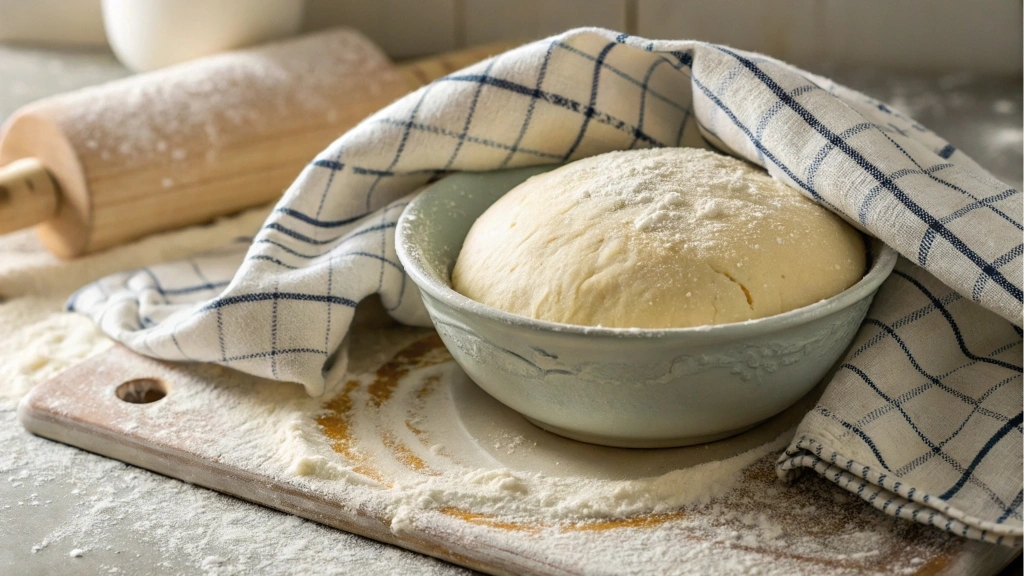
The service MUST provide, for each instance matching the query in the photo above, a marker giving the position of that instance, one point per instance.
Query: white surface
(151, 34)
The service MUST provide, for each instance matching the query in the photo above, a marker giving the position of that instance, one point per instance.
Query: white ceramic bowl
(621, 387)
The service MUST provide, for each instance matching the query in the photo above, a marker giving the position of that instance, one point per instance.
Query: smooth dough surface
(662, 238)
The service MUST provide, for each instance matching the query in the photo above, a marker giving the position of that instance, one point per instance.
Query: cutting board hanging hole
(141, 391)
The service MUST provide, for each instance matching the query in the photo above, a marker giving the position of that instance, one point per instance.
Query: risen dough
(660, 238)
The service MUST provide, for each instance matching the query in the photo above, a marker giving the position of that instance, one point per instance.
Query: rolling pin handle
(28, 195)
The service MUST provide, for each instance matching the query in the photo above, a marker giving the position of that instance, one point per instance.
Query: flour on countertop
(114, 518)
(537, 497)
(40, 340)
(713, 516)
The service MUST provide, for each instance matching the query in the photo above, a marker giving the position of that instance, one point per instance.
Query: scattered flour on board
(176, 527)
(273, 429)
(111, 518)
(725, 514)
(525, 497)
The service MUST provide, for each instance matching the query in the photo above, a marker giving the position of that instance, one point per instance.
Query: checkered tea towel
(923, 420)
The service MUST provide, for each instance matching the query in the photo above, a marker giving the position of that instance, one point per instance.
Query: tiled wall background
(978, 35)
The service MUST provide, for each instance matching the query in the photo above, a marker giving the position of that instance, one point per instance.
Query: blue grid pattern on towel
(923, 420)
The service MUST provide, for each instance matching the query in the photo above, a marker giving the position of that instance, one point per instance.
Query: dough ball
(661, 238)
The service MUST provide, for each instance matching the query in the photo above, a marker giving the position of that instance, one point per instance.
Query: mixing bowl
(621, 387)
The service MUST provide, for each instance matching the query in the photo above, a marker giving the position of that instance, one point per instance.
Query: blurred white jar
(150, 34)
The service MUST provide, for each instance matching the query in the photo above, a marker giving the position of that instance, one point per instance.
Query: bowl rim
(413, 262)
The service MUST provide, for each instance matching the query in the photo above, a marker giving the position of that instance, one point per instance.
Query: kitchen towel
(923, 419)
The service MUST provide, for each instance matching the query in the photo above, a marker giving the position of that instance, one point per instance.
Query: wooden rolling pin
(183, 145)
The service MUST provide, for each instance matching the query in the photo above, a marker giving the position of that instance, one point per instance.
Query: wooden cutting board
(403, 412)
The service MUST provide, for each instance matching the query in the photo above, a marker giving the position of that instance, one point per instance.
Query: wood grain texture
(81, 407)
(27, 195)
